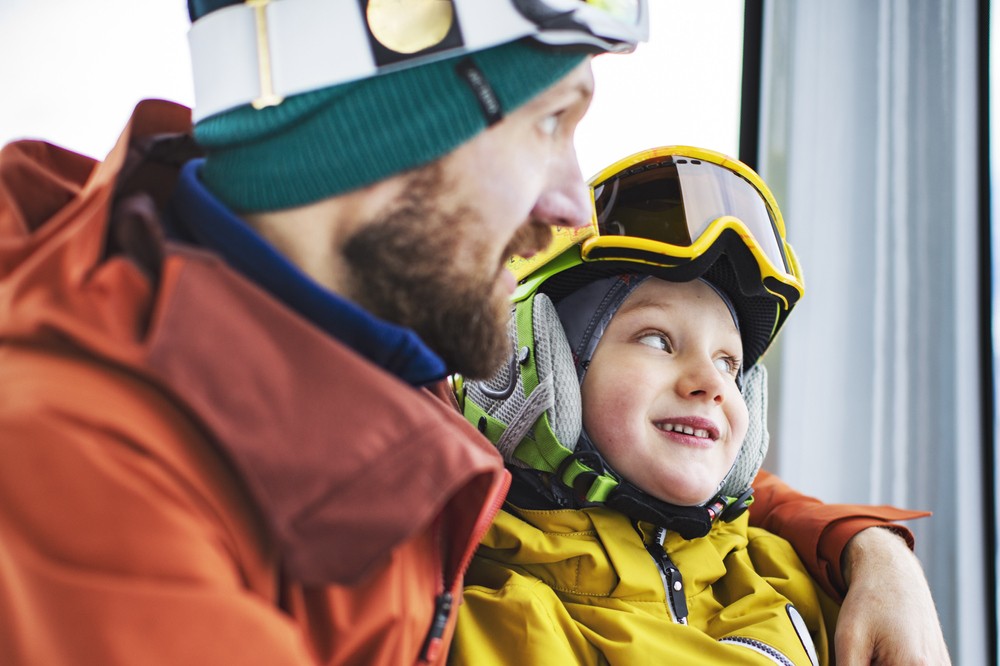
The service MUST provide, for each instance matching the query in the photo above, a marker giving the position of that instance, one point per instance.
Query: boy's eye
(656, 341)
(728, 365)
(549, 124)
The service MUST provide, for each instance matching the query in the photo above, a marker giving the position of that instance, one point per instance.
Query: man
(218, 441)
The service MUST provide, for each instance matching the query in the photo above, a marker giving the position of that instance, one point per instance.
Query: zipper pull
(432, 644)
(676, 584)
(671, 575)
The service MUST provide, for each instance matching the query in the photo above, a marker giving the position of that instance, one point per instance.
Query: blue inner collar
(198, 217)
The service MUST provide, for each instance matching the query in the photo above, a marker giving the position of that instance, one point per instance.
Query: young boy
(610, 548)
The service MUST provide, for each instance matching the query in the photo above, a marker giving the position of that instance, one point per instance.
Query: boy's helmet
(676, 213)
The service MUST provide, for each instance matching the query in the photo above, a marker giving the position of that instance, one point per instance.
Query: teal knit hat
(336, 139)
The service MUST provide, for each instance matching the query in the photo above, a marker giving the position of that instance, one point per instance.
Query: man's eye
(655, 341)
(549, 124)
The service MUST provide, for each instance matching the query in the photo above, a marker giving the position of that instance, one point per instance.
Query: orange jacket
(190, 473)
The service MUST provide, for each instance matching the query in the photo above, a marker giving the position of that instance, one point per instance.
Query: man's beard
(424, 268)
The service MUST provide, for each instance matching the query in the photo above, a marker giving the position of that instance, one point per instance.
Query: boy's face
(660, 399)
(435, 258)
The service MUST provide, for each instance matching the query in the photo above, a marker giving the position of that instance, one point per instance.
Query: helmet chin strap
(691, 522)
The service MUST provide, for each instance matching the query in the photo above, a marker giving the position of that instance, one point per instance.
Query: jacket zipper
(673, 582)
(432, 643)
(761, 647)
(673, 585)
(444, 600)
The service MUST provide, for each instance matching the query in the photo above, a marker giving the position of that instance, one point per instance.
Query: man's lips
(529, 240)
(526, 244)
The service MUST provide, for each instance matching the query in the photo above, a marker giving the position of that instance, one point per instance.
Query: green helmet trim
(567, 259)
(540, 448)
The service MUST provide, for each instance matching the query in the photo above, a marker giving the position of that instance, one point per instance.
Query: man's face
(434, 259)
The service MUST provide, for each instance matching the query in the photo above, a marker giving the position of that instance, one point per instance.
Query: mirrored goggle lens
(430, 26)
(675, 200)
(630, 13)
(627, 12)
(610, 25)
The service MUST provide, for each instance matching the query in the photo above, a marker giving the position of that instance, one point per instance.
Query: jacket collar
(199, 216)
(599, 552)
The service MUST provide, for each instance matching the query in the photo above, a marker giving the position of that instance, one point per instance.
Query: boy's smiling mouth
(696, 427)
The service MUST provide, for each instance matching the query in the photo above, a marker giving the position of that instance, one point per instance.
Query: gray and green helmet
(531, 408)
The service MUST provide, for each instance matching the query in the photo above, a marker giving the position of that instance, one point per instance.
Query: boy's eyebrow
(642, 303)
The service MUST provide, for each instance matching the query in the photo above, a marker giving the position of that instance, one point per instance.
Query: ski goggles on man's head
(262, 51)
(677, 206)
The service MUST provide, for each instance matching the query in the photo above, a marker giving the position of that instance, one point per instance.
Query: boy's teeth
(687, 430)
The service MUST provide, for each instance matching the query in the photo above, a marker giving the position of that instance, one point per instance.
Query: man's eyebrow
(585, 88)
(582, 88)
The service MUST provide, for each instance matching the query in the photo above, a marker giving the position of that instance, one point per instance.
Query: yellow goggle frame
(671, 184)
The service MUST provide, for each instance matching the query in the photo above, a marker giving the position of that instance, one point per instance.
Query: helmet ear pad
(751, 456)
(531, 408)
(553, 358)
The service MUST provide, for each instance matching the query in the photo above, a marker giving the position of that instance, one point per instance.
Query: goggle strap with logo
(262, 51)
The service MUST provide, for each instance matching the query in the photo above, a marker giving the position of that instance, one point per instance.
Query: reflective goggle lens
(625, 12)
(610, 25)
(628, 12)
(676, 199)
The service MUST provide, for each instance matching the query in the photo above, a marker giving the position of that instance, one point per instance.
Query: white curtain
(869, 139)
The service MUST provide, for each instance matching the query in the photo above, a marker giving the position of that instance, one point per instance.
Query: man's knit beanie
(332, 140)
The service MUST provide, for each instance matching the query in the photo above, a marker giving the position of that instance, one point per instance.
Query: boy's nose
(701, 379)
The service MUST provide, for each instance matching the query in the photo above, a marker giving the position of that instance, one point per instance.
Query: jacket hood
(84, 266)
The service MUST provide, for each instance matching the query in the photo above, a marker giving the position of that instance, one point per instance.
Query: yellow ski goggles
(677, 206)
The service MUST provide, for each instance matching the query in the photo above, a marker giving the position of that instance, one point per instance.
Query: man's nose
(565, 200)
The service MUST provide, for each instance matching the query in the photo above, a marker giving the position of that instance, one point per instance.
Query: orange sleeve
(819, 532)
(123, 540)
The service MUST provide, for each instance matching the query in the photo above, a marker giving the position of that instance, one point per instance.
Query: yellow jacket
(580, 587)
